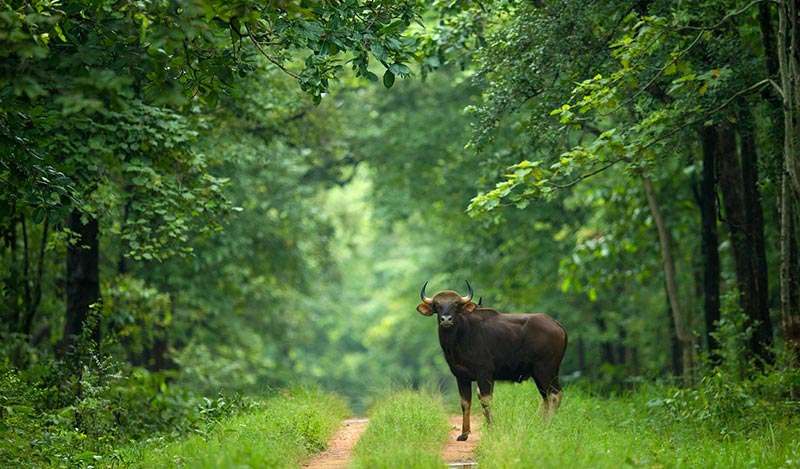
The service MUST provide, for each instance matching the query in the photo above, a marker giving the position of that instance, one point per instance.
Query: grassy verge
(278, 432)
(406, 429)
(643, 429)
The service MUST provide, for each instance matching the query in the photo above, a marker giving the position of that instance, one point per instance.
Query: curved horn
(467, 299)
(425, 299)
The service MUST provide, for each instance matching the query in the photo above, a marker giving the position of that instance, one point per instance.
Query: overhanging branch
(269, 57)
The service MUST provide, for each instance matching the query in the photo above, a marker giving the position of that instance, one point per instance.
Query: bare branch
(777, 88)
(747, 90)
(269, 57)
(585, 176)
(726, 18)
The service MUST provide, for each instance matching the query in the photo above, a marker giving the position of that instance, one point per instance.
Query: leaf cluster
(332, 35)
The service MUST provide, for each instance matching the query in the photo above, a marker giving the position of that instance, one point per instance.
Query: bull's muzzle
(446, 320)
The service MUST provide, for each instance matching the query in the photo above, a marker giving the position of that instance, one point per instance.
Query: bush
(724, 405)
(77, 411)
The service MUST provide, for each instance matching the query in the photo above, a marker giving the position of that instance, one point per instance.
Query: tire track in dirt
(340, 446)
(462, 453)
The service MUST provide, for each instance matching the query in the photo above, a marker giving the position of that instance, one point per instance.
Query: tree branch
(705, 115)
(269, 57)
(713, 111)
(725, 18)
(585, 176)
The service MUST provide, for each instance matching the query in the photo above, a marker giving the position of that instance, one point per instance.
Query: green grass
(279, 432)
(407, 430)
(642, 429)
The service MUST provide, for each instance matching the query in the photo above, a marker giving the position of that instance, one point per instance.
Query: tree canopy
(204, 197)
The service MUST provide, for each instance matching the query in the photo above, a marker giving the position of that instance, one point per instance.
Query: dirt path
(340, 446)
(462, 453)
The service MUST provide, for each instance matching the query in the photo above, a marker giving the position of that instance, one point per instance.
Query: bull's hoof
(462, 437)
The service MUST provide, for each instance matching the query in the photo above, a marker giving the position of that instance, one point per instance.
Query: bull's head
(447, 305)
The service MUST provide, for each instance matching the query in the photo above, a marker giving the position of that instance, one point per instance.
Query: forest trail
(462, 453)
(340, 446)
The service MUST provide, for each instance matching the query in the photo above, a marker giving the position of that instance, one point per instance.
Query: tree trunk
(675, 352)
(157, 356)
(606, 347)
(32, 303)
(789, 69)
(670, 277)
(710, 243)
(768, 42)
(731, 184)
(83, 279)
(790, 314)
(754, 217)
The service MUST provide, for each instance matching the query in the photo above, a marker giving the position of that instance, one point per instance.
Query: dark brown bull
(483, 345)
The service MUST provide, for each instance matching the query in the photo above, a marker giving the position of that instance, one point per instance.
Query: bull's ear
(424, 309)
(468, 308)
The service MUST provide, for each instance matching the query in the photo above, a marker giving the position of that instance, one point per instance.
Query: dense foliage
(217, 197)
(660, 122)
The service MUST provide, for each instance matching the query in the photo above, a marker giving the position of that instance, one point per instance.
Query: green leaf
(38, 215)
(400, 69)
(59, 32)
(388, 79)
(378, 51)
(86, 456)
(212, 99)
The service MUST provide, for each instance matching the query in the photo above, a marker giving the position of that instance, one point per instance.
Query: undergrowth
(87, 410)
(277, 432)
(77, 410)
(406, 430)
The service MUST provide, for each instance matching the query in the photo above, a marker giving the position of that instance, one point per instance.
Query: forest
(206, 201)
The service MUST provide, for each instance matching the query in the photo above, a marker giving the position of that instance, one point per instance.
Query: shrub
(77, 411)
